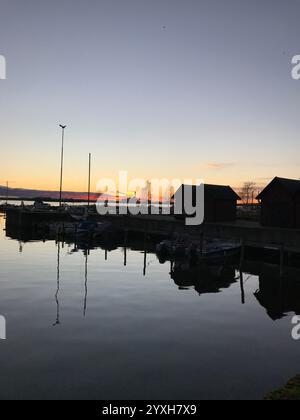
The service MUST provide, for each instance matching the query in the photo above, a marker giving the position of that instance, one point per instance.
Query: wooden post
(242, 254)
(63, 233)
(44, 233)
(19, 218)
(75, 236)
(57, 233)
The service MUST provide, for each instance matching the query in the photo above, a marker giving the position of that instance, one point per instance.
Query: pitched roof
(224, 192)
(292, 186)
(219, 192)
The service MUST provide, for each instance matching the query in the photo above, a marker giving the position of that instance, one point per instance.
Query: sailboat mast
(89, 182)
(61, 162)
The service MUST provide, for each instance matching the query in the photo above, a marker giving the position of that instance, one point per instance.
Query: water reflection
(278, 295)
(56, 296)
(145, 262)
(203, 278)
(242, 288)
(86, 251)
(85, 283)
(120, 325)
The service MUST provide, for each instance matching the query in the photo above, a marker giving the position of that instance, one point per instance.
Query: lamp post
(61, 161)
(89, 181)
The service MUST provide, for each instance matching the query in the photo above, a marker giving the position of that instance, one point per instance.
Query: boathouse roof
(292, 186)
(218, 192)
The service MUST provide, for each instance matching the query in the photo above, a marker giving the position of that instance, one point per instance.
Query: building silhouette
(220, 201)
(280, 203)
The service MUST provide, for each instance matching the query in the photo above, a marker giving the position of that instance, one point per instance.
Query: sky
(160, 88)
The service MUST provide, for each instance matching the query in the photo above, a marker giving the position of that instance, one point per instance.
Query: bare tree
(247, 192)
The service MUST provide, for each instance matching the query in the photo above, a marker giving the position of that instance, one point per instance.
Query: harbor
(281, 244)
(88, 297)
(149, 203)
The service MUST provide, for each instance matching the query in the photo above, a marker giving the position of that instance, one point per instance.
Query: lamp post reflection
(57, 321)
(85, 283)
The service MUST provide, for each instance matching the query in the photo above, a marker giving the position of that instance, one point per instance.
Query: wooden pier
(251, 234)
(20, 218)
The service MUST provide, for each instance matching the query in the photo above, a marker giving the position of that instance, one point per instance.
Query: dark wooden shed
(220, 201)
(280, 203)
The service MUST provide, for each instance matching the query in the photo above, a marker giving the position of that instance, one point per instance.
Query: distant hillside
(27, 194)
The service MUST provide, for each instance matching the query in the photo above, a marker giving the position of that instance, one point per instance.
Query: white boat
(196, 249)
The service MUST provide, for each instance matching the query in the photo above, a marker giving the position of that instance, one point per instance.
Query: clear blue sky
(161, 88)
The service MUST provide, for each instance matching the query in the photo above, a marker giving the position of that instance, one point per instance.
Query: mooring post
(75, 235)
(125, 236)
(145, 252)
(242, 254)
(19, 217)
(44, 233)
(63, 233)
(57, 234)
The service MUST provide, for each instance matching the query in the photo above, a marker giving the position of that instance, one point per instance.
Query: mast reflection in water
(143, 330)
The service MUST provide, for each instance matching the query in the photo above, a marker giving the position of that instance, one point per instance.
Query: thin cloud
(262, 179)
(219, 165)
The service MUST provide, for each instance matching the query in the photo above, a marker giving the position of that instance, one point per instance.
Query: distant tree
(149, 191)
(247, 192)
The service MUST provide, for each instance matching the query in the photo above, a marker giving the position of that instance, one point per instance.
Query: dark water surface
(87, 328)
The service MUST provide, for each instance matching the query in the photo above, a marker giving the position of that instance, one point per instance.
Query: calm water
(90, 328)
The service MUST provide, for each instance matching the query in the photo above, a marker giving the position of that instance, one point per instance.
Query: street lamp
(61, 161)
(89, 181)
